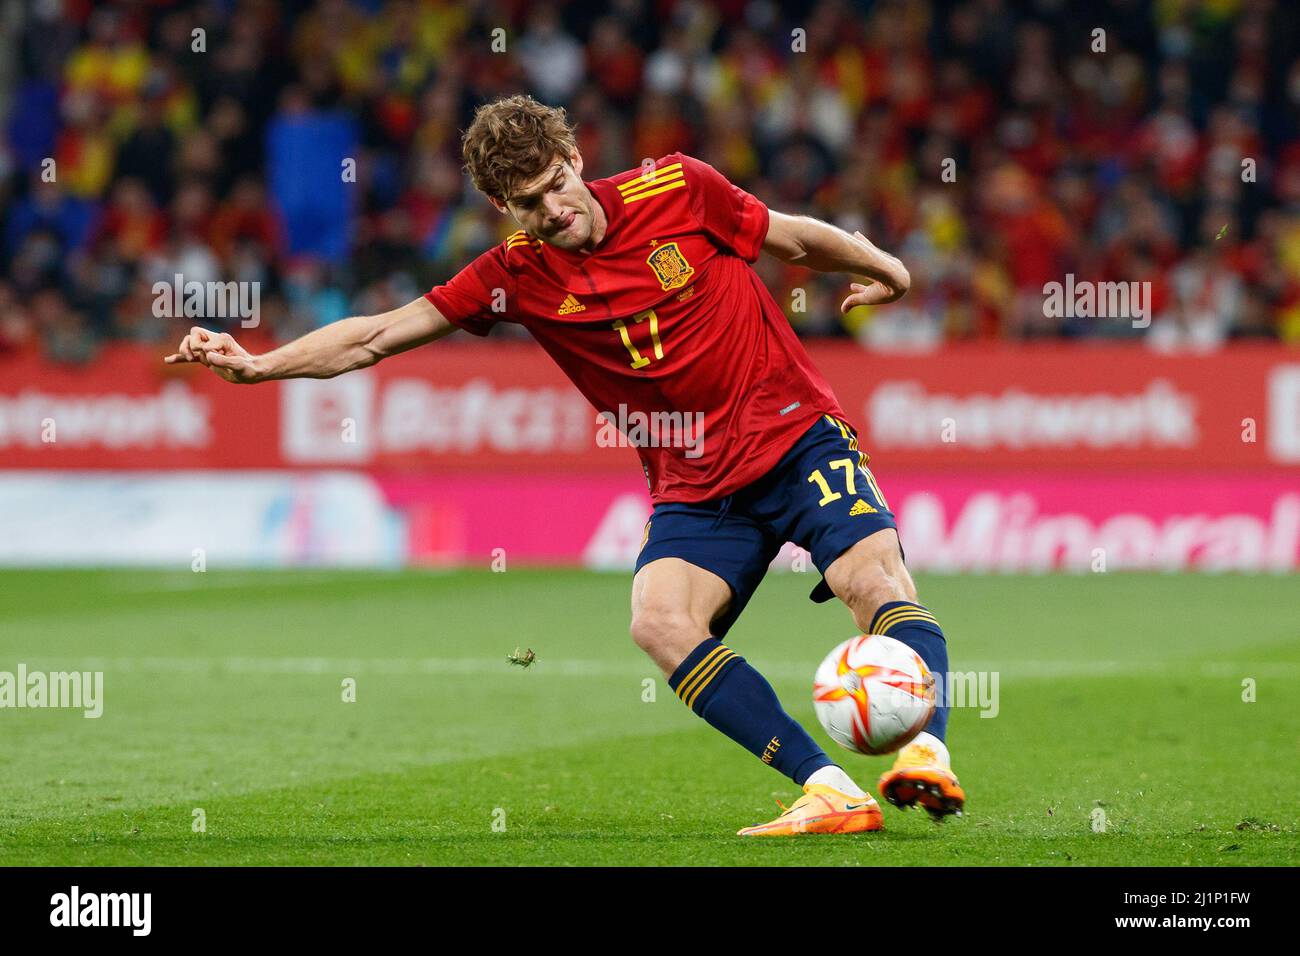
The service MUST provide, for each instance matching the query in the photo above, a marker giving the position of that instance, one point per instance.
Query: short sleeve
(733, 218)
(475, 297)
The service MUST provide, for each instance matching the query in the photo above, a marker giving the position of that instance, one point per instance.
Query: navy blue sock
(917, 628)
(718, 684)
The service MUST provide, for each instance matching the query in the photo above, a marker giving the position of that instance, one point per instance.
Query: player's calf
(871, 579)
(673, 603)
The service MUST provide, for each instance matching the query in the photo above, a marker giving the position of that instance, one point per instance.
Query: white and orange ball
(873, 694)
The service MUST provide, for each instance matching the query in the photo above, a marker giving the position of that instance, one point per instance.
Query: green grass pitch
(224, 692)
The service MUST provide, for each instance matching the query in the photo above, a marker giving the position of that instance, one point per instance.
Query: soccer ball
(873, 694)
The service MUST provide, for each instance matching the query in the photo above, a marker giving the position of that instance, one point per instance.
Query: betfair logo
(862, 508)
(770, 750)
(571, 305)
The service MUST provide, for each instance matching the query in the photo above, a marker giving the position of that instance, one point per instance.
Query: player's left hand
(873, 293)
(220, 352)
(869, 292)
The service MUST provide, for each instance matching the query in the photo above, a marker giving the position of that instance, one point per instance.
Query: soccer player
(639, 286)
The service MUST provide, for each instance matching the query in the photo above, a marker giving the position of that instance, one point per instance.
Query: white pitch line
(577, 667)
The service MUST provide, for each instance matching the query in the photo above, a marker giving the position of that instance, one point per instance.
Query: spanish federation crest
(670, 266)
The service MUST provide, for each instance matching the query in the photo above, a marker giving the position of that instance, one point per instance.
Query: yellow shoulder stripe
(647, 193)
(522, 239)
(662, 180)
(643, 180)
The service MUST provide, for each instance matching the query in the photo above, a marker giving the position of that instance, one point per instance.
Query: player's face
(555, 206)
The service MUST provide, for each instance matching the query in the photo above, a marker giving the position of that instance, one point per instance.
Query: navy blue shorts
(820, 495)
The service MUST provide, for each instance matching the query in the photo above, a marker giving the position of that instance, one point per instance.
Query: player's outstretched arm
(822, 247)
(339, 347)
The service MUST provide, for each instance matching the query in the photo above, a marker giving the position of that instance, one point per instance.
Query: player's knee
(664, 632)
(874, 585)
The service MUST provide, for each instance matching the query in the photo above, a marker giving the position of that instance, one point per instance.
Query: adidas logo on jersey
(862, 508)
(571, 305)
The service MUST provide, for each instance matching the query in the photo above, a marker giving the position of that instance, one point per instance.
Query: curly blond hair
(512, 140)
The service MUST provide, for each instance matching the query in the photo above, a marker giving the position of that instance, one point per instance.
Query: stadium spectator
(315, 148)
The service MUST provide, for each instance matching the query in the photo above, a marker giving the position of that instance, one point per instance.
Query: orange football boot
(918, 776)
(822, 809)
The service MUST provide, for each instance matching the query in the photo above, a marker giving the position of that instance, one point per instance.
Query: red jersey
(664, 316)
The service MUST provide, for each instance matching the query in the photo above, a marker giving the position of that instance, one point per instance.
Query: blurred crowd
(994, 146)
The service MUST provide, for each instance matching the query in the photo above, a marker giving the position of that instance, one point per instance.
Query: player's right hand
(219, 352)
